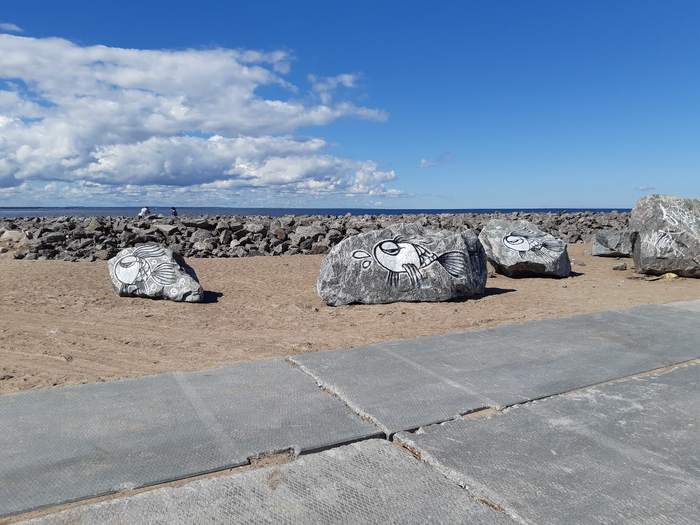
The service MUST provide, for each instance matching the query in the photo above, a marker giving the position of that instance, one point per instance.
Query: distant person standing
(145, 212)
(173, 211)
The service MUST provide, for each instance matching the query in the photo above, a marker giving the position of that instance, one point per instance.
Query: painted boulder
(666, 235)
(612, 243)
(151, 270)
(403, 263)
(521, 249)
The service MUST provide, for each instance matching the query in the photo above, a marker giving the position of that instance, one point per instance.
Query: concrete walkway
(74, 443)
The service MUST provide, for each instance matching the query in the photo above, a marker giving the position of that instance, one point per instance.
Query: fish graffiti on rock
(144, 268)
(664, 241)
(533, 244)
(403, 257)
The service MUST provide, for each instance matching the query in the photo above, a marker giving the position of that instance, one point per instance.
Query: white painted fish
(523, 241)
(398, 256)
(137, 268)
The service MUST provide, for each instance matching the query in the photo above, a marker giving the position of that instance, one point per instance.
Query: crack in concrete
(342, 397)
(476, 490)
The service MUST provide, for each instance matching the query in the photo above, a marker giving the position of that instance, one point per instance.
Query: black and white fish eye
(127, 264)
(390, 247)
(515, 239)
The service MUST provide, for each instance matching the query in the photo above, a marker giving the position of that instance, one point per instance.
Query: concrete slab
(624, 452)
(369, 482)
(70, 443)
(406, 384)
(693, 306)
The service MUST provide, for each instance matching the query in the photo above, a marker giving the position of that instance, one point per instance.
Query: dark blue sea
(274, 212)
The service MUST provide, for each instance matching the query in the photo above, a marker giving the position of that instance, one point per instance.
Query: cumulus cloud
(110, 119)
(6, 27)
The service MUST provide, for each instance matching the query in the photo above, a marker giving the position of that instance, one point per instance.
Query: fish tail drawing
(455, 263)
(148, 250)
(164, 274)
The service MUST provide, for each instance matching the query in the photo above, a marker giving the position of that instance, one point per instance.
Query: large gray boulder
(521, 249)
(151, 270)
(612, 243)
(404, 262)
(666, 235)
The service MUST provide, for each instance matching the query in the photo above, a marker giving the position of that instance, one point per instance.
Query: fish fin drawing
(164, 274)
(392, 278)
(553, 245)
(546, 255)
(455, 263)
(413, 274)
(148, 250)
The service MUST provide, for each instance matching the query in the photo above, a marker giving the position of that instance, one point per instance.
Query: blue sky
(391, 104)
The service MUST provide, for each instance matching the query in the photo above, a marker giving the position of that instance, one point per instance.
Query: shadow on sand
(497, 291)
(211, 297)
(487, 292)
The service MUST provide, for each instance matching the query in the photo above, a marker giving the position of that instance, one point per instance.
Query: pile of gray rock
(90, 238)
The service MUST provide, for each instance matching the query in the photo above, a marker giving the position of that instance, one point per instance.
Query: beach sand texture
(61, 323)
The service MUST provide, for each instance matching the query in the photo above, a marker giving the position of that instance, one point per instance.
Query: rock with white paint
(612, 243)
(521, 249)
(151, 270)
(666, 235)
(404, 262)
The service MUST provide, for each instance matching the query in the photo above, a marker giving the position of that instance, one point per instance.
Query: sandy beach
(61, 323)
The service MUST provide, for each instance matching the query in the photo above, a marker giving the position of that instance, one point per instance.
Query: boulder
(200, 235)
(312, 232)
(666, 235)
(520, 249)
(254, 227)
(403, 263)
(151, 270)
(166, 229)
(612, 243)
(15, 236)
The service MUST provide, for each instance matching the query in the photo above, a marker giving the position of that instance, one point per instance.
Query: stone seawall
(91, 238)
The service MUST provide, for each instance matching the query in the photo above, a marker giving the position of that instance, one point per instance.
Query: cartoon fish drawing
(524, 241)
(137, 268)
(398, 256)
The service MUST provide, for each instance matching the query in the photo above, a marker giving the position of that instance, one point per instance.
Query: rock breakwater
(91, 238)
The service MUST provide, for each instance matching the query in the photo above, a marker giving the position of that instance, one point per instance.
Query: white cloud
(325, 87)
(444, 158)
(109, 119)
(6, 27)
